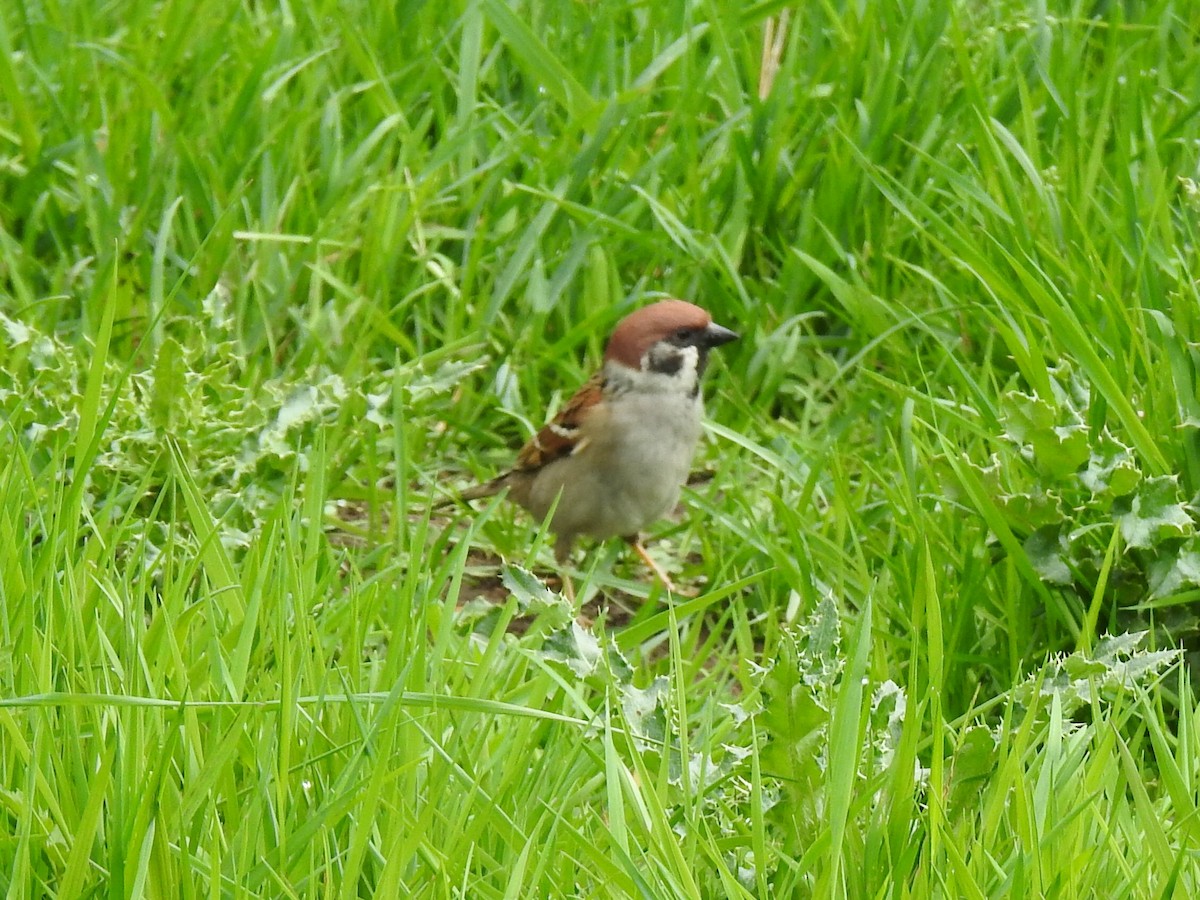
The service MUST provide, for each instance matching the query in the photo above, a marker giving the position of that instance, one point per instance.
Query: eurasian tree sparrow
(617, 454)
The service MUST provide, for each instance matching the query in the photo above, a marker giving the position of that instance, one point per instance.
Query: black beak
(715, 335)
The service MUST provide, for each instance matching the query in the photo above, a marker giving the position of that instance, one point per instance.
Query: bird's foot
(665, 579)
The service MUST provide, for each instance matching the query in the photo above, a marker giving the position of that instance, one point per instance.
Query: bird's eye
(683, 335)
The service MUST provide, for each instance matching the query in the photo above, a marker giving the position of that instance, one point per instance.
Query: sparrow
(615, 457)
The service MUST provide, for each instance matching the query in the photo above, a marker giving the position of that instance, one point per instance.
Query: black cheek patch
(666, 363)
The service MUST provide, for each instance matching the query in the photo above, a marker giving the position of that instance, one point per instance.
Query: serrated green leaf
(1117, 646)
(820, 643)
(644, 713)
(443, 379)
(975, 756)
(18, 332)
(1154, 513)
(1024, 415)
(1079, 667)
(1111, 468)
(534, 598)
(1052, 432)
(575, 646)
(1117, 664)
(1060, 451)
(1034, 509)
(526, 587)
(1047, 550)
(1173, 571)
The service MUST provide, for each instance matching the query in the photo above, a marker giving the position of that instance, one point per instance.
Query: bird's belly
(623, 485)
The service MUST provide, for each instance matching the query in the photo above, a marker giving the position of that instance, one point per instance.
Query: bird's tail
(478, 492)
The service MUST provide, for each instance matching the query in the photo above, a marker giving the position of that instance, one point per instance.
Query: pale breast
(628, 474)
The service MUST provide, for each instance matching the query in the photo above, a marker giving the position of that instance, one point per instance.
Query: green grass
(277, 278)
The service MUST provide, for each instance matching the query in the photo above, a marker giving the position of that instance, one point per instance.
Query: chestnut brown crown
(666, 319)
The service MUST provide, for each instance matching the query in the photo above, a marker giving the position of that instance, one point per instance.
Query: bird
(615, 457)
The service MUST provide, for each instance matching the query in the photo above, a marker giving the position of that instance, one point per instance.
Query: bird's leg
(635, 541)
(562, 552)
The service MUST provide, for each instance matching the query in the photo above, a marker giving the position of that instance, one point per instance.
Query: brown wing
(564, 434)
